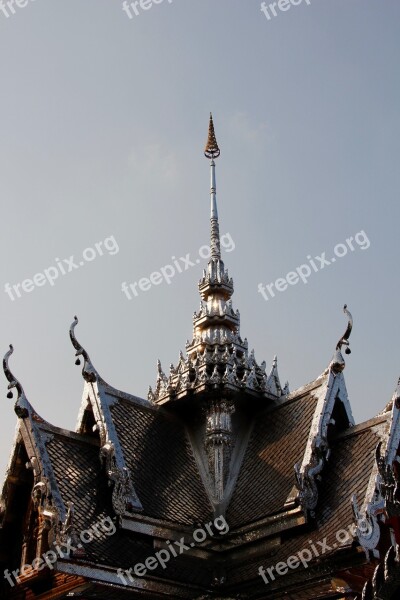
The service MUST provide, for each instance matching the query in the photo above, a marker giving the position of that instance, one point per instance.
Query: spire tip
(211, 150)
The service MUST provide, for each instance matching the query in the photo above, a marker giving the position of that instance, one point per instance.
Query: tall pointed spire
(218, 376)
(218, 359)
(212, 151)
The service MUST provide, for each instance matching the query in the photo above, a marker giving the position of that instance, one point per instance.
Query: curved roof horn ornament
(89, 373)
(22, 406)
(338, 364)
(13, 381)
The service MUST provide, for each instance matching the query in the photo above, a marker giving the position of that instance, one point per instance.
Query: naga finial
(22, 406)
(13, 381)
(337, 364)
(344, 340)
(89, 372)
(211, 150)
(80, 351)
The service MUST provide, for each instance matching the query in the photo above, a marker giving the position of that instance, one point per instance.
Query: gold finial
(211, 150)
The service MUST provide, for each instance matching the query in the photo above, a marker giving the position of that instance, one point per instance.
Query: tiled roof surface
(277, 443)
(348, 471)
(166, 479)
(82, 481)
(162, 465)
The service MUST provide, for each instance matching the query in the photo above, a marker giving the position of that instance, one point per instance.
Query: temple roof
(218, 438)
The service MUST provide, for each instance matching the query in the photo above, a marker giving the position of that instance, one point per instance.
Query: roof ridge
(79, 437)
(361, 427)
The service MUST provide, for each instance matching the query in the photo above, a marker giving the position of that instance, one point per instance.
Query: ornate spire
(338, 364)
(218, 359)
(215, 276)
(212, 151)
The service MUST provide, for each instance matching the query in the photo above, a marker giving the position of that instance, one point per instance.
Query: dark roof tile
(267, 475)
(163, 468)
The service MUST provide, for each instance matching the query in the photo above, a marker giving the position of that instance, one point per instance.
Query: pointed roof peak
(211, 150)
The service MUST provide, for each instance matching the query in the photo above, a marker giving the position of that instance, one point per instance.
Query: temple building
(222, 484)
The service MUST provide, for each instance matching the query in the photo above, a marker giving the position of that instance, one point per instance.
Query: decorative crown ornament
(211, 150)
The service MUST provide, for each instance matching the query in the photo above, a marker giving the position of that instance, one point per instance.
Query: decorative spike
(211, 150)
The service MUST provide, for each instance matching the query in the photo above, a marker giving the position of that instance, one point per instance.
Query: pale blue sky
(103, 123)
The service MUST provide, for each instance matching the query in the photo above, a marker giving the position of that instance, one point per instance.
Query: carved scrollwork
(218, 442)
(40, 493)
(389, 482)
(68, 532)
(306, 484)
(124, 499)
(367, 529)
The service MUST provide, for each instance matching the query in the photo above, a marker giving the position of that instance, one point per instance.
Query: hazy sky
(103, 124)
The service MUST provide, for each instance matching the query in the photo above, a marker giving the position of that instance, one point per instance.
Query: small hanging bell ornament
(78, 361)
(10, 394)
